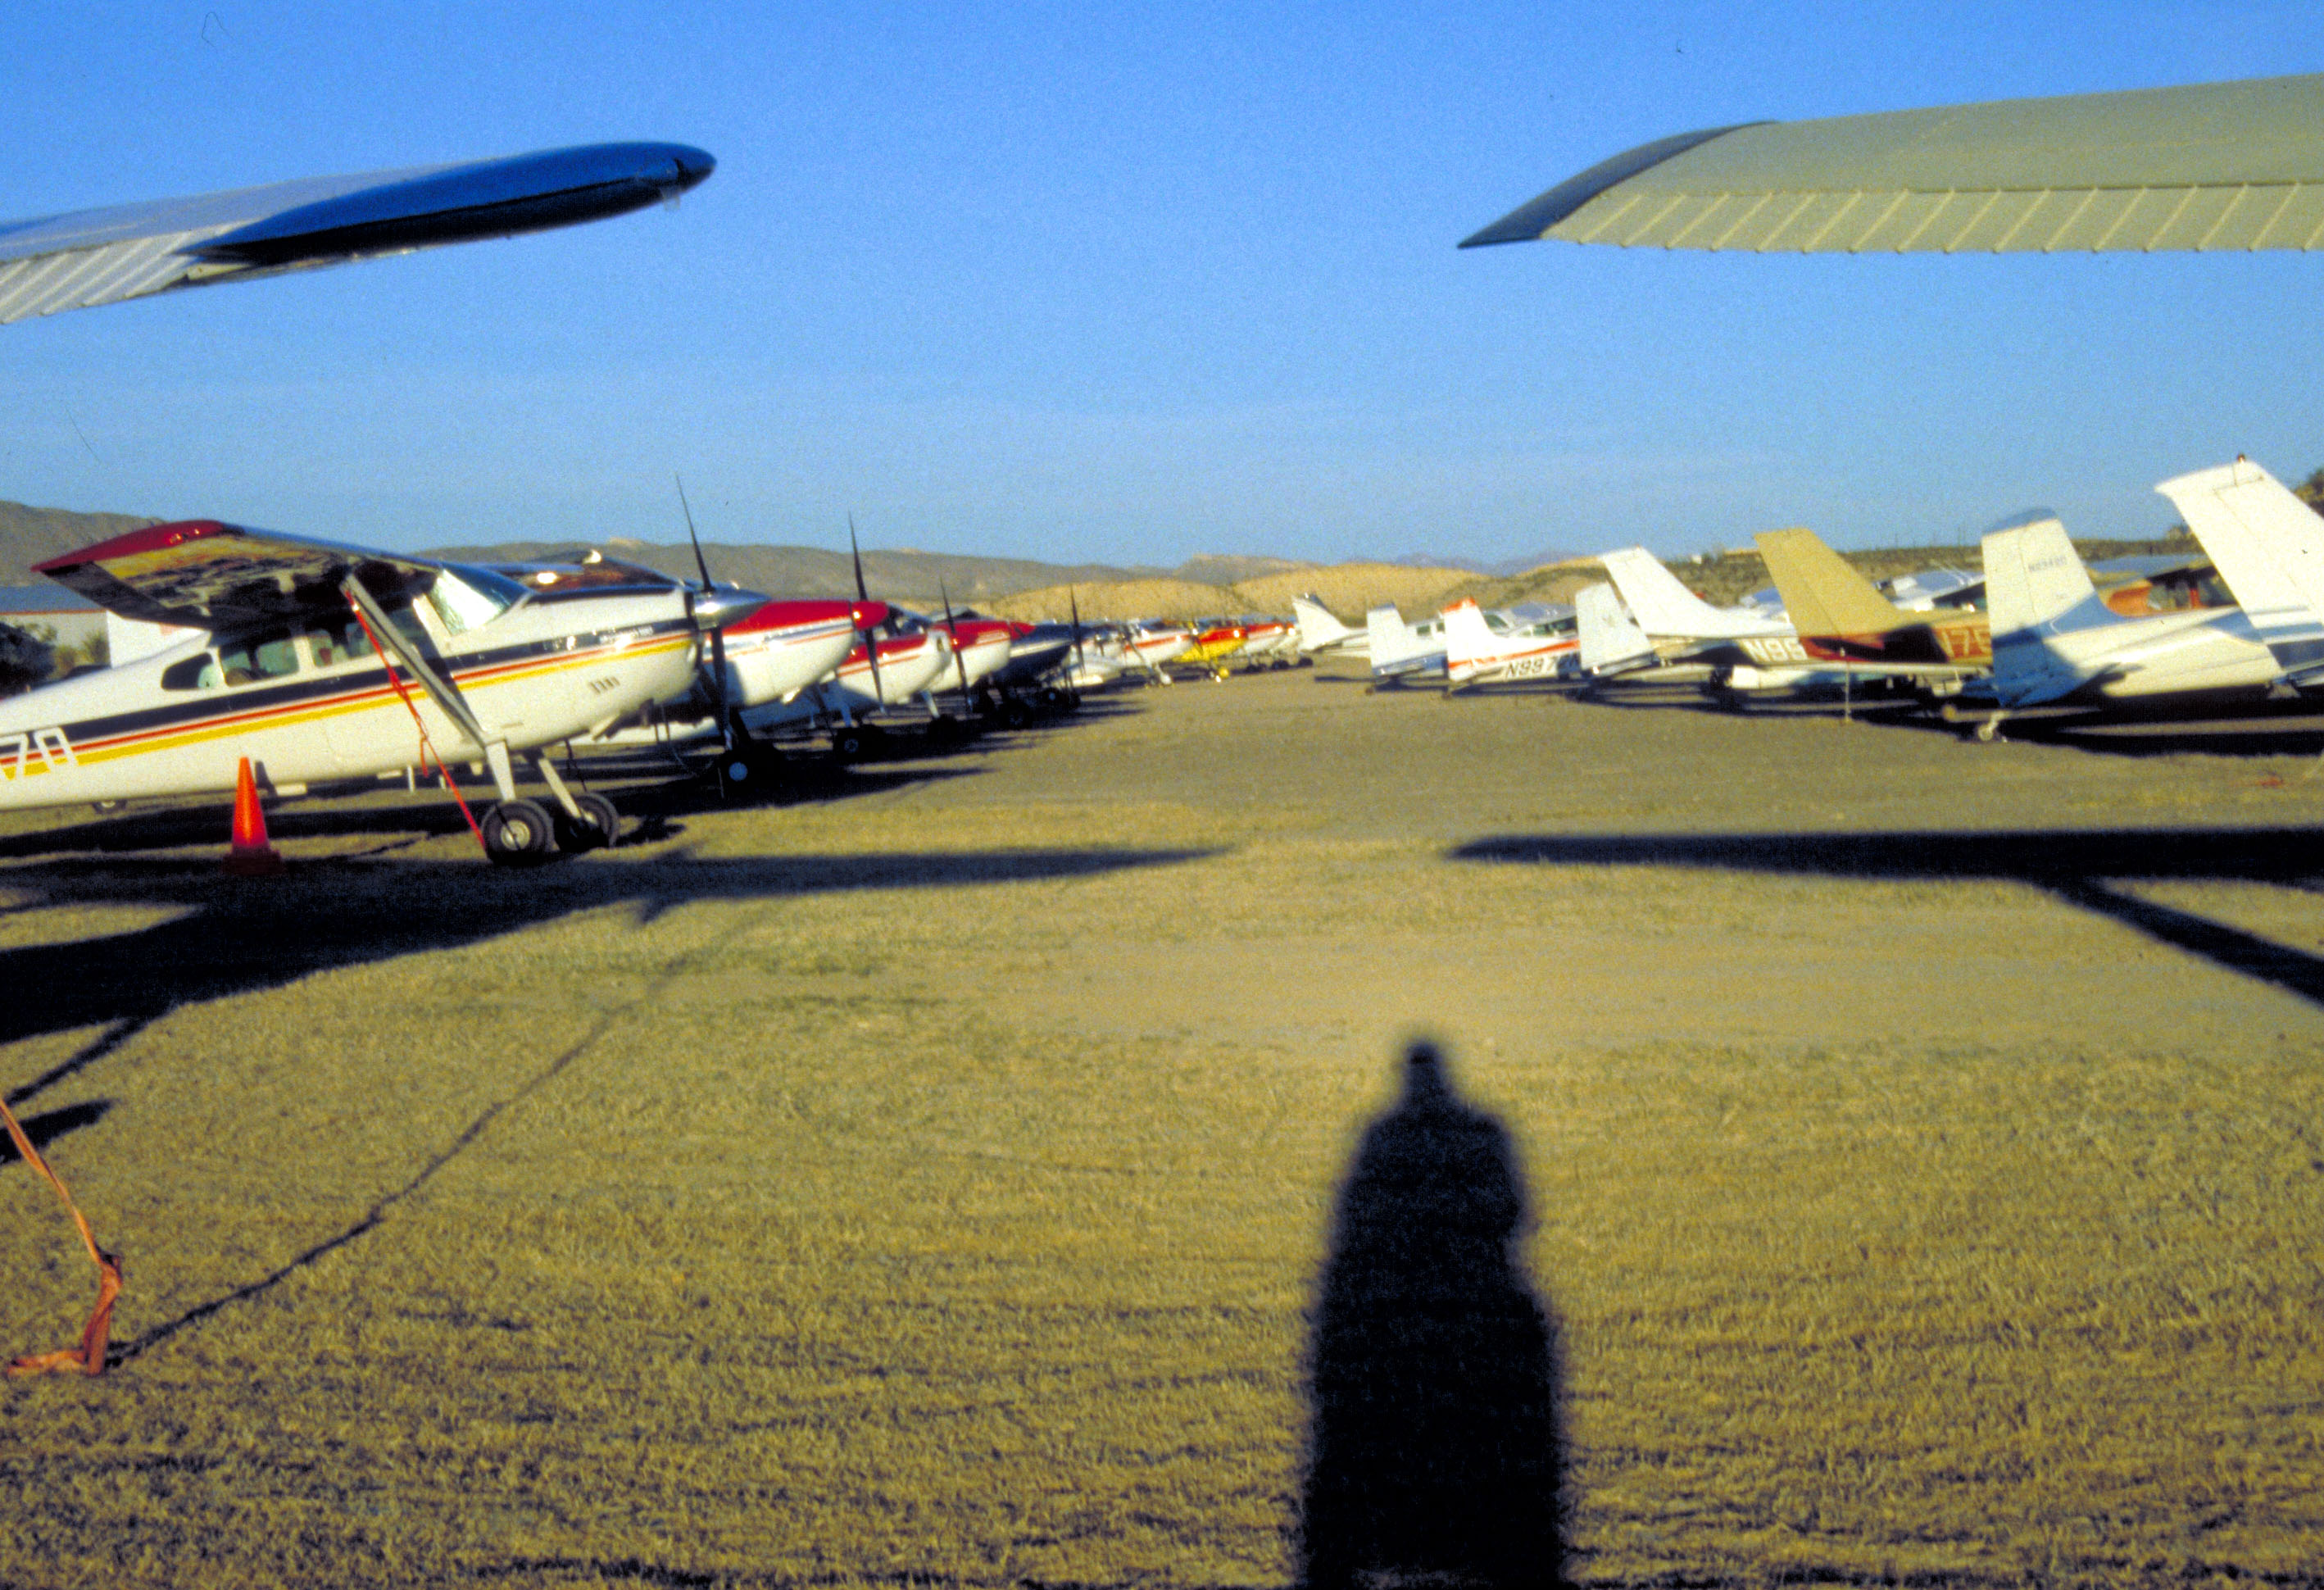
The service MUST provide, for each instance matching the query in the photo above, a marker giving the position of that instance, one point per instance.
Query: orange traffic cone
(250, 856)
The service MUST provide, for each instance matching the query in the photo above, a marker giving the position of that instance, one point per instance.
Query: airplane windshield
(466, 598)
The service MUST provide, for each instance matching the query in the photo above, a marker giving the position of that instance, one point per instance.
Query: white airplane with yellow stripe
(288, 671)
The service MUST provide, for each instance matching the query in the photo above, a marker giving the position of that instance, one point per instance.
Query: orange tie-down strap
(88, 1358)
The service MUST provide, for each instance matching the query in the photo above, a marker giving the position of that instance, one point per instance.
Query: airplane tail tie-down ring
(88, 1358)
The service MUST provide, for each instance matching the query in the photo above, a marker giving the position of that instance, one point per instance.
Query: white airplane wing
(2234, 165)
(99, 256)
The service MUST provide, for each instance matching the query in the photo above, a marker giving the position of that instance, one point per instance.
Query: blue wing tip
(1531, 220)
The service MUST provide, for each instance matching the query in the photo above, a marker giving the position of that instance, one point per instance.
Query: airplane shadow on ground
(238, 935)
(1434, 1453)
(656, 795)
(232, 937)
(2081, 867)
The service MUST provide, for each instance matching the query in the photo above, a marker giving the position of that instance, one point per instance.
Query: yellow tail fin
(1823, 595)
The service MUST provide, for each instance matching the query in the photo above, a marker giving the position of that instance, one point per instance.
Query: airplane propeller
(872, 635)
(717, 644)
(952, 629)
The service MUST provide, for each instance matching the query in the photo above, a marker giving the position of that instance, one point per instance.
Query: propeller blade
(872, 635)
(717, 644)
(1074, 596)
(699, 561)
(954, 630)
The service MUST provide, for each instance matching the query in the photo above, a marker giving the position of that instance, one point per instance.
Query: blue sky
(1069, 283)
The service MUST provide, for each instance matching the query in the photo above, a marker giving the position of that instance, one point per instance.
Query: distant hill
(1500, 570)
(920, 577)
(30, 535)
(1348, 589)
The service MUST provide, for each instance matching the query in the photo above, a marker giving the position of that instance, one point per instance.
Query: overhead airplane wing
(98, 257)
(2234, 165)
(201, 574)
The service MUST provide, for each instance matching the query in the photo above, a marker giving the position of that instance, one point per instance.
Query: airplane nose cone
(721, 605)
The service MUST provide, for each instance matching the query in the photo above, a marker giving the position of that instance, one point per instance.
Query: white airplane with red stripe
(909, 664)
(287, 670)
(1476, 652)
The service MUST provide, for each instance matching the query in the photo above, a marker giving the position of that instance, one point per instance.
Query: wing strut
(388, 640)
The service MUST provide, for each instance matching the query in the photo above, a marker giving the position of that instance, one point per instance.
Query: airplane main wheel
(1015, 713)
(599, 827)
(851, 743)
(517, 833)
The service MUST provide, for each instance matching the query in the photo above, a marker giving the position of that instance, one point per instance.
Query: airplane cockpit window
(466, 598)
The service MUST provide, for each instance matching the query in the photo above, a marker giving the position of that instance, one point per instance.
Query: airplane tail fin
(1468, 640)
(1823, 594)
(2034, 579)
(1612, 640)
(1318, 628)
(1666, 607)
(2266, 545)
(1390, 637)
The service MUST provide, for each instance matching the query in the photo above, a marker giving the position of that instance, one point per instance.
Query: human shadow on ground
(2079, 867)
(1434, 1453)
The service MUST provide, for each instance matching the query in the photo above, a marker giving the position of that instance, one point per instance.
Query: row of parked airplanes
(2241, 622)
(317, 662)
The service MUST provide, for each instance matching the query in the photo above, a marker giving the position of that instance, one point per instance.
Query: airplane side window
(343, 640)
(259, 657)
(192, 673)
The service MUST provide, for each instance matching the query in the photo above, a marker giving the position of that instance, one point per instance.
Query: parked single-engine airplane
(2264, 542)
(99, 256)
(2054, 642)
(1842, 617)
(1488, 649)
(305, 661)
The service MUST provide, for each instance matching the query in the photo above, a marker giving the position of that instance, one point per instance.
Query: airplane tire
(599, 827)
(1016, 714)
(517, 833)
